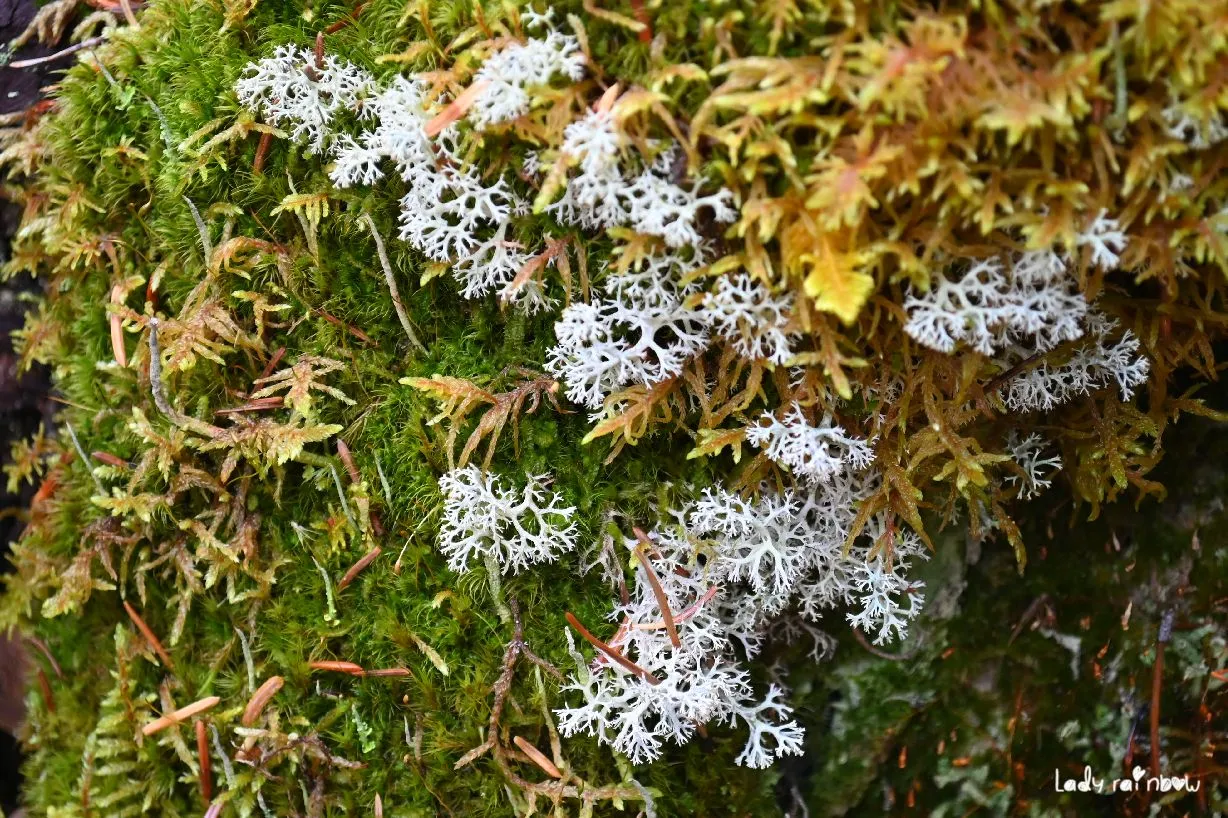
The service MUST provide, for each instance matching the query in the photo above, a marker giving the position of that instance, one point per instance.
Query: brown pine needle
(1157, 673)
(259, 699)
(262, 151)
(110, 459)
(117, 330)
(682, 617)
(44, 689)
(357, 568)
(340, 667)
(153, 640)
(182, 714)
(46, 651)
(206, 763)
(455, 110)
(389, 672)
(662, 599)
(343, 451)
(538, 758)
(611, 652)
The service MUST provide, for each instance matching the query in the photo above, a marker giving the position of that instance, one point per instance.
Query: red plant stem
(343, 451)
(345, 21)
(46, 651)
(1157, 673)
(641, 15)
(44, 688)
(272, 364)
(110, 459)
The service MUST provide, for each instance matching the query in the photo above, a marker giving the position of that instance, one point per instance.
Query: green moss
(213, 553)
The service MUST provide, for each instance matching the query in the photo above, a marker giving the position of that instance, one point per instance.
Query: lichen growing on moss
(738, 310)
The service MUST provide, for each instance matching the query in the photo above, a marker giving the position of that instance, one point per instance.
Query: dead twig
(391, 280)
(72, 49)
(562, 786)
(1029, 615)
(158, 388)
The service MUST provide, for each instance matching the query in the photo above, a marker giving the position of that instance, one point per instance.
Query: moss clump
(253, 417)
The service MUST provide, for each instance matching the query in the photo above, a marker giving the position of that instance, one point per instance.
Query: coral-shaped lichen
(784, 300)
(484, 518)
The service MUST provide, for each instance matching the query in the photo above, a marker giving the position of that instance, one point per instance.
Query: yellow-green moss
(871, 143)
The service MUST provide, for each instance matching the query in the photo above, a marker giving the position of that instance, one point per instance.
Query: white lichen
(1099, 362)
(755, 320)
(727, 568)
(813, 453)
(297, 92)
(508, 76)
(990, 307)
(483, 518)
(611, 187)
(1036, 469)
(640, 331)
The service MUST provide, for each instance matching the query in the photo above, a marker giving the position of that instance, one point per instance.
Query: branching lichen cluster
(403, 343)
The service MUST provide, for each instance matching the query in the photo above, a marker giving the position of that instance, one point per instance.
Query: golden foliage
(459, 397)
